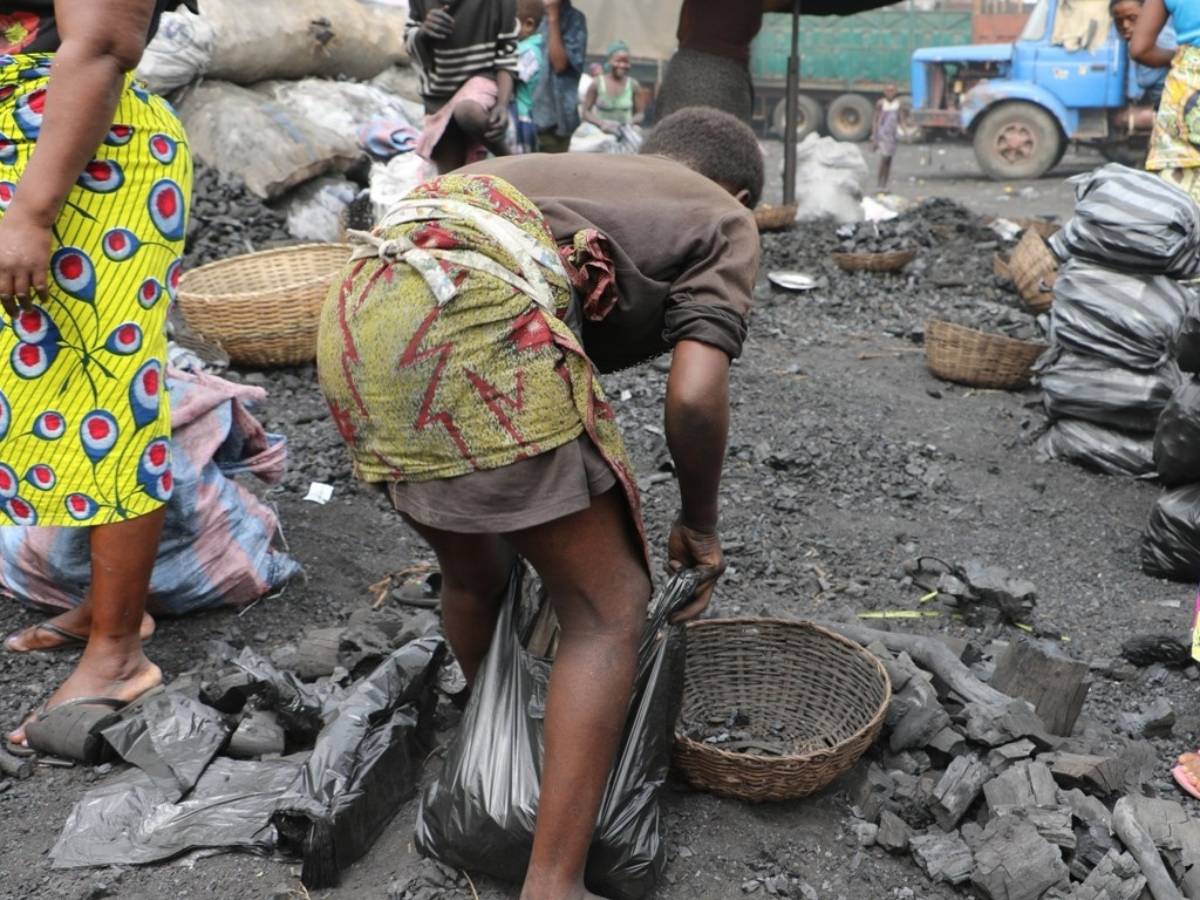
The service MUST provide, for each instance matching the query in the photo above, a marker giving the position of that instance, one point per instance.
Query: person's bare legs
(76, 621)
(596, 577)
(885, 172)
(113, 664)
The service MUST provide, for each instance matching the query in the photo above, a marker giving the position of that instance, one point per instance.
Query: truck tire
(1131, 152)
(1018, 140)
(850, 118)
(808, 117)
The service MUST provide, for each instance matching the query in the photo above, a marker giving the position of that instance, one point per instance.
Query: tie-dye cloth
(216, 547)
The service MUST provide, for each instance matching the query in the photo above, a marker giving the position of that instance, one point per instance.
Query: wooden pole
(793, 98)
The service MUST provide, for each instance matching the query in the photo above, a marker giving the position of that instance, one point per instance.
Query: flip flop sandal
(72, 729)
(1180, 774)
(71, 640)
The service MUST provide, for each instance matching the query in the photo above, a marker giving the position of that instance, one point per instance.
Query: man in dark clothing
(556, 100)
(712, 65)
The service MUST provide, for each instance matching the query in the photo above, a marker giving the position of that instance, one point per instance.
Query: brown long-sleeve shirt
(686, 252)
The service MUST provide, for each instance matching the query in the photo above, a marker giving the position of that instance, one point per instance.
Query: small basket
(976, 358)
(824, 694)
(1000, 267)
(774, 218)
(263, 308)
(1044, 229)
(891, 261)
(1034, 270)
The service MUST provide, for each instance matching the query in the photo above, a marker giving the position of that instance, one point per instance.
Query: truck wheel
(1018, 140)
(850, 118)
(808, 117)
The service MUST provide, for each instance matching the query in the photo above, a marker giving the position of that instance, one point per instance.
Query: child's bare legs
(595, 574)
(885, 172)
(467, 127)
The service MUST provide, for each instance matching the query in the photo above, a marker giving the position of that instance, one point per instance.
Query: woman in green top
(614, 99)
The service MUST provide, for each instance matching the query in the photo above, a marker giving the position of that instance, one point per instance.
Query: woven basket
(1034, 270)
(262, 308)
(891, 261)
(825, 695)
(979, 359)
(1000, 267)
(1044, 229)
(774, 218)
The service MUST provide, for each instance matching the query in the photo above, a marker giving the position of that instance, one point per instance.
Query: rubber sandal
(72, 729)
(71, 639)
(1180, 774)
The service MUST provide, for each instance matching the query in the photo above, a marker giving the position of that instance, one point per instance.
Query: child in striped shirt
(466, 53)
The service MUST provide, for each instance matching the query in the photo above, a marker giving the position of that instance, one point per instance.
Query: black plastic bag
(1133, 221)
(480, 812)
(1187, 338)
(1126, 318)
(1075, 386)
(1171, 544)
(1177, 440)
(1101, 449)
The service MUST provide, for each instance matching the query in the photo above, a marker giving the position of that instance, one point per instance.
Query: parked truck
(845, 63)
(1066, 78)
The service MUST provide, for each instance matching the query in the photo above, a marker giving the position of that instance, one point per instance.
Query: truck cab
(1065, 78)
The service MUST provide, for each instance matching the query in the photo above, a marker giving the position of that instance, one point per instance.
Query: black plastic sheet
(1171, 544)
(1187, 338)
(328, 805)
(1100, 449)
(1128, 319)
(1177, 440)
(1133, 221)
(1075, 386)
(480, 813)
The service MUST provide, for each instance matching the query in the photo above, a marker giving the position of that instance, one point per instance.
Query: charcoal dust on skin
(847, 460)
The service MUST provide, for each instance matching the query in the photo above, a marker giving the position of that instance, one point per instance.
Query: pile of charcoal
(226, 220)
(883, 237)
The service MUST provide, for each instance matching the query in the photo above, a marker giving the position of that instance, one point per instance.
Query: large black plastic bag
(1075, 386)
(1126, 318)
(1177, 440)
(1171, 544)
(1101, 449)
(1187, 338)
(1133, 221)
(480, 812)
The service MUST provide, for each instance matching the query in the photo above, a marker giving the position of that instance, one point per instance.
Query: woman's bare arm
(1145, 34)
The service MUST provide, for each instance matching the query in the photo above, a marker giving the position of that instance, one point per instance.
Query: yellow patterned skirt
(1175, 143)
(84, 417)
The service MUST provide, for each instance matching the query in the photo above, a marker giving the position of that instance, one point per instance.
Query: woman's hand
(24, 262)
(689, 548)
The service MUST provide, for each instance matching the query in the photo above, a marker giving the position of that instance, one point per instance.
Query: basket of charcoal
(884, 261)
(976, 358)
(263, 308)
(775, 709)
(774, 218)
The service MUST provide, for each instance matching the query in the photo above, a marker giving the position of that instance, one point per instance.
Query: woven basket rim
(942, 324)
(874, 254)
(257, 256)
(812, 755)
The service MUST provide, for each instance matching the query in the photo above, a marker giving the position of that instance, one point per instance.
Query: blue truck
(1065, 79)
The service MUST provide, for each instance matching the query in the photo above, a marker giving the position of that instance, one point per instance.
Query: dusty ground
(847, 457)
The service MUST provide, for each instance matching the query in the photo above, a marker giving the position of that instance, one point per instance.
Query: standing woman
(95, 176)
(1175, 143)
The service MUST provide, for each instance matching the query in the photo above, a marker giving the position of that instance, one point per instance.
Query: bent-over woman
(95, 178)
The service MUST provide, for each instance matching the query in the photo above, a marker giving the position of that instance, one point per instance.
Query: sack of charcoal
(1171, 544)
(1105, 450)
(1186, 349)
(1126, 318)
(1133, 221)
(1177, 440)
(1076, 386)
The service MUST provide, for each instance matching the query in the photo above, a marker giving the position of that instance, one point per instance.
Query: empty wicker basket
(774, 218)
(1033, 269)
(891, 261)
(823, 698)
(263, 308)
(976, 358)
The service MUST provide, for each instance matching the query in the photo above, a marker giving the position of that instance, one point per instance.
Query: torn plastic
(328, 805)
(1132, 221)
(1171, 544)
(480, 812)
(1125, 318)
(1177, 440)
(1101, 449)
(1075, 386)
(1187, 338)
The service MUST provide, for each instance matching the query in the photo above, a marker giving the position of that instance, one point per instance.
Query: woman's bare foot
(101, 674)
(76, 621)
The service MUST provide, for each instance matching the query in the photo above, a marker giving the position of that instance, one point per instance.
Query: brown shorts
(527, 493)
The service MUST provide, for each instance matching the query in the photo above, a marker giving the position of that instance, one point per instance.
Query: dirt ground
(847, 457)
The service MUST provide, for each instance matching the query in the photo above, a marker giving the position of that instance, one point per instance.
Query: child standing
(886, 131)
(466, 53)
(531, 60)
